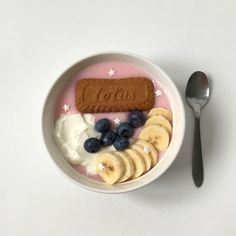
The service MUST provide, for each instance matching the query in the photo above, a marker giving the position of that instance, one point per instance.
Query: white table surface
(40, 39)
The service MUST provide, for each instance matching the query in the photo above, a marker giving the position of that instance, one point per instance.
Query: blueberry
(121, 143)
(102, 125)
(125, 130)
(92, 145)
(108, 138)
(136, 119)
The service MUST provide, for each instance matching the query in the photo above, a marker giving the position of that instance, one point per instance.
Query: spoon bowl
(197, 90)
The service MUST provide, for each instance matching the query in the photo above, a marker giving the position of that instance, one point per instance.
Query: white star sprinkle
(117, 121)
(66, 107)
(146, 149)
(111, 72)
(158, 92)
(101, 166)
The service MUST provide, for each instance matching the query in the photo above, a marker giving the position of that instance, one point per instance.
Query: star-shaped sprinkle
(111, 72)
(158, 92)
(146, 149)
(101, 166)
(66, 107)
(117, 121)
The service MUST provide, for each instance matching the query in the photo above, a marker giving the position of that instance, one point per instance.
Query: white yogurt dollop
(71, 131)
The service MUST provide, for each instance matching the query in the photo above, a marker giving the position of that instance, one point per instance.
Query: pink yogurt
(100, 70)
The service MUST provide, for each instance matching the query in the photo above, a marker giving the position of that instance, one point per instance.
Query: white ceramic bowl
(178, 123)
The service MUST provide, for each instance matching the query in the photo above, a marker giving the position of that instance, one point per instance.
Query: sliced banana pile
(119, 166)
(140, 157)
(157, 129)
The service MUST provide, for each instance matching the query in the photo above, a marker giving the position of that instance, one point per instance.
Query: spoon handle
(197, 165)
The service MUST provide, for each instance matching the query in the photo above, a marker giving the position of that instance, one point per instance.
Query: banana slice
(159, 120)
(110, 167)
(129, 166)
(146, 156)
(148, 148)
(156, 135)
(139, 164)
(161, 111)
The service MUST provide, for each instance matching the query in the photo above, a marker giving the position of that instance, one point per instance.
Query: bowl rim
(181, 109)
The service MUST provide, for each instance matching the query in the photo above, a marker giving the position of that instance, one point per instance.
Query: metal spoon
(197, 95)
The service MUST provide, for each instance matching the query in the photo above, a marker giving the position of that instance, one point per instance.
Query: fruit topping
(108, 138)
(125, 130)
(92, 145)
(103, 125)
(121, 143)
(136, 119)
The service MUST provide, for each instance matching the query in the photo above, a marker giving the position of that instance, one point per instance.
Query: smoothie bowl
(113, 122)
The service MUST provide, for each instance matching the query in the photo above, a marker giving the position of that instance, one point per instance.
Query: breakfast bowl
(67, 122)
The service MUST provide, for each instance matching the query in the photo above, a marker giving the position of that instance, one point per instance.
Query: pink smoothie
(100, 70)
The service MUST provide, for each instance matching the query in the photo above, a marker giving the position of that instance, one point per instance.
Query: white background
(40, 39)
